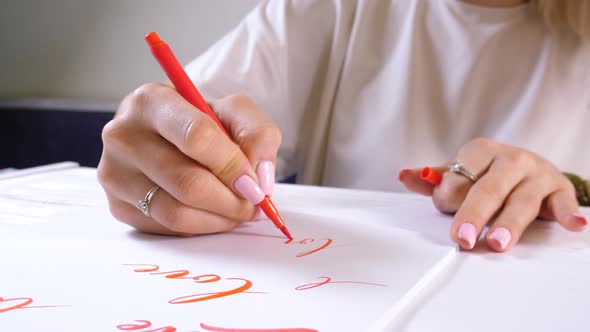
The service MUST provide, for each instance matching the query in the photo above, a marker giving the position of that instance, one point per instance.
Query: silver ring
(144, 204)
(457, 167)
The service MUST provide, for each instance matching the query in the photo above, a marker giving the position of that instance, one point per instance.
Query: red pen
(431, 175)
(188, 91)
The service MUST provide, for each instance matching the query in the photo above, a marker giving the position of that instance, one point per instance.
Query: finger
(164, 209)
(179, 218)
(476, 156)
(412, 180)
(182, 177)
(450, 193)
(256, 135)
(563, 206)
(131, 216)
(197, 136)
(259, 215)
(520, 209)
(484, 199)
(180, 222)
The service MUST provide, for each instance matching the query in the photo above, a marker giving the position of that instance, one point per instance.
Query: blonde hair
(566, 15)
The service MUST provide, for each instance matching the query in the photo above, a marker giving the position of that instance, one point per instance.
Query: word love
(319, 245)
(7, 305)
(243, 285)
(142, 325)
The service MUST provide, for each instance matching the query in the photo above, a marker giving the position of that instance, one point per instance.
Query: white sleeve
(272, 56)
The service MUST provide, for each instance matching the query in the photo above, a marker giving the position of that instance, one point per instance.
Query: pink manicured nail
(468, 233)
(501, 236)
(249, 189)
(266, 176)
(259, 215)
(579, 219)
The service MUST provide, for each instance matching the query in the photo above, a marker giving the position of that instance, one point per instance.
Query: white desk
(543, 284)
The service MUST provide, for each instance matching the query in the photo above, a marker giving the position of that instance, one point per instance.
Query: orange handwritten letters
(223, 329)
(328, 280)
(142, 325)
(14, 303)
(243, 285)
(7, 305)
(321, 245)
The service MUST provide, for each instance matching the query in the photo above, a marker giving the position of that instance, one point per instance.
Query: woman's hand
(158, 138)
(513, 188)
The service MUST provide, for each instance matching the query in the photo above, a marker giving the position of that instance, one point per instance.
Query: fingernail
(467, 233)
(266, 176)
(401, 174)
(259, 215)
(501, 236)
(249, 189)
(579, 219)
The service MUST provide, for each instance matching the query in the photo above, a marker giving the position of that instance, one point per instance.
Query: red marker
(431, 175)
(188, 91)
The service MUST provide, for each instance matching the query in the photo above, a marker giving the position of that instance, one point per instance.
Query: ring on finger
(144, 204)
(457, 167)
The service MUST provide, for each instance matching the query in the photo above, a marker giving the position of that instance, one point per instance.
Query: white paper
(74, 267)
(12, 173)
(541, 285)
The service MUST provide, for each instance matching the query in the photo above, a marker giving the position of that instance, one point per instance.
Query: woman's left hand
(513, 188)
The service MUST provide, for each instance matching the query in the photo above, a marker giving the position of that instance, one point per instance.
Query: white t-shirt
(363, 88)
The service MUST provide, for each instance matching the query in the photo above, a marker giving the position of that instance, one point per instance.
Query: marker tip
(286, 232)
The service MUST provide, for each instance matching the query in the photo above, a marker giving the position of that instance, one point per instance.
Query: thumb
(563, 206)
(421, 180)
(256, 135)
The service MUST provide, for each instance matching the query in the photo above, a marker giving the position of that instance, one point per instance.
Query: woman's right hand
(208, 182)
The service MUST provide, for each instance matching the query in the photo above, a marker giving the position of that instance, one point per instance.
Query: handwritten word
(153, 269)
(324, 243)
(328, 280)
(222, 329)
(144, 324)
(15, 303)
(7, 305)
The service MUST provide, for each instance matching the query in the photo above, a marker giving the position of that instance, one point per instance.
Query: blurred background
(66, 64)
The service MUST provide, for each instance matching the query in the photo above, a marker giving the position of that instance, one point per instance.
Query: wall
(84, 49)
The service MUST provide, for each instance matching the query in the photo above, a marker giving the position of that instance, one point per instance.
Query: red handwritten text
(323, 244)
(222, 329)
(144, 324)
(328, 280)
(243, 284)
(13, 304)
(141, 325)
(7, 305)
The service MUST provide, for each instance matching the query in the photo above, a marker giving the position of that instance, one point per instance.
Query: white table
(543, 284)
